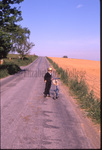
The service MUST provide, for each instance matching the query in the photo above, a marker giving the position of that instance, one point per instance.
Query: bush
(65, 56)
(13, 68)
(64, 77)
(3, 73)
(8, 69)
(94, 111)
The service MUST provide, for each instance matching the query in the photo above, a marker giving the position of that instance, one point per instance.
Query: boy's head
(50, 69)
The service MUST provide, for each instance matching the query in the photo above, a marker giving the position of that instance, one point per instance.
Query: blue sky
(63, 27)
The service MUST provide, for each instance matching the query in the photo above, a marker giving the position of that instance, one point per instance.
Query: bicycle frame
(55, 95)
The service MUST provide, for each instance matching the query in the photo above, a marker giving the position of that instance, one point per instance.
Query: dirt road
(30, 121)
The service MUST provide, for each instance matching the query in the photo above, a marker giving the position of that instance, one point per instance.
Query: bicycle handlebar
(55, 78)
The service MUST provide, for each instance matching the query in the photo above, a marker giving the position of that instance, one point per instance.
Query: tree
(19, 36)
(20, 39)
(24, 48)
(65, 56)
(5, 44)
(8, 18)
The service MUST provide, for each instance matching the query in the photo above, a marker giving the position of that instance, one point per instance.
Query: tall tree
(8, 22)
(24, 48)
(20, 38)
(5, 44)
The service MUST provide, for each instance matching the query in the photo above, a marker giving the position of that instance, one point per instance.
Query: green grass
(14, 59)
(79, 88)
(8, 69)
(12, 66)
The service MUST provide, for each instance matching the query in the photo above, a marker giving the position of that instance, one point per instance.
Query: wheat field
(88, 69)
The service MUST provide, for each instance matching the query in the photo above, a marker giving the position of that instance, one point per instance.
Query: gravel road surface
(30, 121)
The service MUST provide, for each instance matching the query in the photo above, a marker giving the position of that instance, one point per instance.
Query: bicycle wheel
(57, 93)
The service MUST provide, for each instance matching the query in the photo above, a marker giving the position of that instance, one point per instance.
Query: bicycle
(56, 91)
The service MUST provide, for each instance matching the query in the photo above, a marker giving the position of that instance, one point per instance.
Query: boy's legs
(45, 92)
(47, 88)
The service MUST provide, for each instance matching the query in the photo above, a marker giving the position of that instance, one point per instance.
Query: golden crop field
(89, 69)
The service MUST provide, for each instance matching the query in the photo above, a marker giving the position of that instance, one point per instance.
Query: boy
(47, 79)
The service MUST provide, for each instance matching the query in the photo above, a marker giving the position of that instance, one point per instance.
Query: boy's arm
(45, 78)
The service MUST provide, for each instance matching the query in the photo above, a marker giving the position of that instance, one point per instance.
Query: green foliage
(92, 106)
(78, 87)
(9, 16)
(64, 77)
(65, 56)
(3, 73)
(20, 41)
(18, 61)
(5, 44)
(8, 69)
(95, 112)
(13, 66)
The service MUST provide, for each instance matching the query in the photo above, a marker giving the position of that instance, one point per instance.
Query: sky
(63, 27)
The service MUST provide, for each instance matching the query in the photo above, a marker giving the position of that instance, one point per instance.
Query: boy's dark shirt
(47, 77)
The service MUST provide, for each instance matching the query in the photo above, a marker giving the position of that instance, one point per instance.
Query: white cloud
(79, 6)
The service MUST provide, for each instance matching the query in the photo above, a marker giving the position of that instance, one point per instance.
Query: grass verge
(86, 99)
(8, 69)
(12, 63)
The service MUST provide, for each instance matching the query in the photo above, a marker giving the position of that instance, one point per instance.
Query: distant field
(88, 69)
